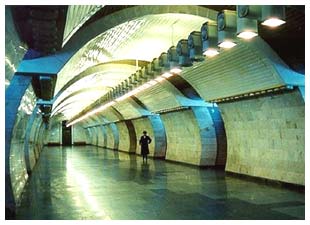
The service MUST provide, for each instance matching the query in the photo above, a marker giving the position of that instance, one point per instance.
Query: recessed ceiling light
(227, 44)
(273, 22)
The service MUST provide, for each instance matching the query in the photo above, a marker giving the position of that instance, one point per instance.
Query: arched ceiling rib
(143, 38)
(97, 68)
(71, 98)
(143, 32)
(96, 82)
(139, 39)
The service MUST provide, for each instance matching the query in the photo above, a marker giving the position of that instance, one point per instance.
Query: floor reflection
(95, 183)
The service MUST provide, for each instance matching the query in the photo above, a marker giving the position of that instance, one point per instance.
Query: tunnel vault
(242, 110)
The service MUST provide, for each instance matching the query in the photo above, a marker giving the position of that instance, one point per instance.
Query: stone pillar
(207, 135)
(132, 136)
(220, 136)
(13, 96)
(104, 132)
(115, 134)
(38, 133)
(159, 136)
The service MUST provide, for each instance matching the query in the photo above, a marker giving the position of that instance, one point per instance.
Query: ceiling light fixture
(273, 22)
(182, 51)
(195, 46)
(211, 52)
(209, 39)
(273, 15)
(159, 79)
(247, 21)
(166, 75)
(227, 44)
(247, 35)
(90, 113)
(175, 70)
(226, 26)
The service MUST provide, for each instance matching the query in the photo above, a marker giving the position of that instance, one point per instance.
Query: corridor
(213, 94)
(88, 182)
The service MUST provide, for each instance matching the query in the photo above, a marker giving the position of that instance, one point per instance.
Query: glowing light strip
(123, 97)
(90, 113)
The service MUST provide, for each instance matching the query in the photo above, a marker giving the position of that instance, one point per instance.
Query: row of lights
(118, 121)
(207, 42)
(123, 97)
(242, 23)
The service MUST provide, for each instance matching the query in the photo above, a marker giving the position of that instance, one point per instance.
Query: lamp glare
(247, 35)
(273, 22)
(176, 70)
(211, 52)
(227, 44)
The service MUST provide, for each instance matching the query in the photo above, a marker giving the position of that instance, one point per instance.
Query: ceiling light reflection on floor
(78, 180)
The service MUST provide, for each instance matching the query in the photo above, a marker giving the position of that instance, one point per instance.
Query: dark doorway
(66, 134)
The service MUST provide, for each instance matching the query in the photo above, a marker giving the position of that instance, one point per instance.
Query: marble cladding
(16, 139)
(183, 137)
(266, 137)
(18, 170)
(79, 134)
(112, 136)
(101, 136)
(35, 141)
(140, 125)
(159, 136)
(55, 134)
(124, 137)
(93, 135)
(220, 135)
(207, 136)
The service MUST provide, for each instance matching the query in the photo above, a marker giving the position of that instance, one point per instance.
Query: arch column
(13, 96)
(29, 165)
(104, 134)
(159, 136)
(207, 136)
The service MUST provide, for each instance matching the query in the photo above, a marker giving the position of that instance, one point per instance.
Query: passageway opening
(66, 134)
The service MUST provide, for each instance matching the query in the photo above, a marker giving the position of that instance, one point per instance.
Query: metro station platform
(88, 182)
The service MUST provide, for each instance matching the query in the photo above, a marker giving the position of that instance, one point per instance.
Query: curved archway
(131, 31)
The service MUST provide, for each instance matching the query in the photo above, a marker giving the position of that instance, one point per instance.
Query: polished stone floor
(94, 183)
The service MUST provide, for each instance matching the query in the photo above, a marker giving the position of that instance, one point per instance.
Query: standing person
(145, 140)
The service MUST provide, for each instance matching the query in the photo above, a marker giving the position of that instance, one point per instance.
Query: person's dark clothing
(144, 142)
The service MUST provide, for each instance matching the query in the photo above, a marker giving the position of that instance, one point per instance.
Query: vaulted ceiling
(116, 53)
